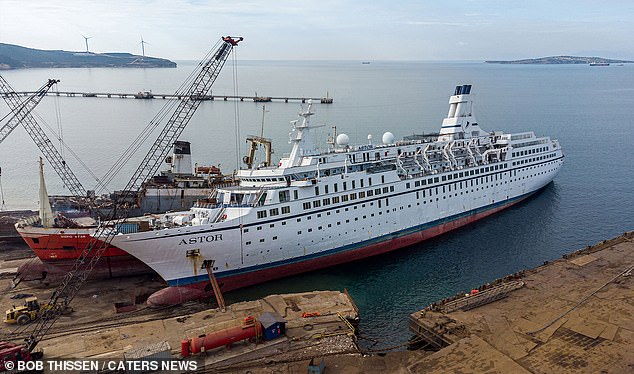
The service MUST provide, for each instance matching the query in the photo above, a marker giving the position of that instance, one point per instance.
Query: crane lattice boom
(23, 115)
(206, 75)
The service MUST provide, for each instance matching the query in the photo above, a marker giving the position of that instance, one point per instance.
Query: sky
(328, 29)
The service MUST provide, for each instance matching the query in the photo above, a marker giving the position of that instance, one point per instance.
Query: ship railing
(29, 221)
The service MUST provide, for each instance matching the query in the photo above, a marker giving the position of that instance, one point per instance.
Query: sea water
(588, 109)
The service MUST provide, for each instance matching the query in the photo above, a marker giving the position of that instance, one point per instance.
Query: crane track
(139, 315)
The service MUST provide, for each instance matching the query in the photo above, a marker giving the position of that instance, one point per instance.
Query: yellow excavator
(24, 314)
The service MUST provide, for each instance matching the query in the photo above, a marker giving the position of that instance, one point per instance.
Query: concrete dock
(572, 315)
(318, 323)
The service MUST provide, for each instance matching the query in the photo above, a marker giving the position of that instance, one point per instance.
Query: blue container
(127, 228)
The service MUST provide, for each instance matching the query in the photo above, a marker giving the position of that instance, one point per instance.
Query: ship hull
(58, 249)
(175, 294)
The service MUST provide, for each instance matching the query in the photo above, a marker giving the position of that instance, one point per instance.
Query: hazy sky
(327, 29)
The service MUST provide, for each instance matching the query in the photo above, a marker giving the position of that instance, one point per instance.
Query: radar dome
(388, 138)
(342, 140)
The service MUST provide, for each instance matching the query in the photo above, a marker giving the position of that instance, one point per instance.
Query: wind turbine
(143, 43)
(86, 38)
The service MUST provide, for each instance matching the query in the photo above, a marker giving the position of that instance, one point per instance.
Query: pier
(148, 95)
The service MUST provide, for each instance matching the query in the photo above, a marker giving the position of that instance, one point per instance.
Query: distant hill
(17, 57)
(563, 60)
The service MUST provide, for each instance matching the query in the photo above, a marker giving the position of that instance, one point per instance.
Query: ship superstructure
(320, 208)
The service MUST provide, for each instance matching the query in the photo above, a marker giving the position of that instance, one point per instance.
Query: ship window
(361, 180)
(299, 232)
(444, 178)
(261, 241)
(286, 209)
(385, 190)
(326, 189)
(436, 180)
(245, 230)
(326, 201)
(377, 191)
(335, 200)
(336, 187)
(310, 230)
(391, 188)
(259, 227)
(407, 185)
(306, 205)
(284, 196)
(353, 196)
(275, 238)
(353, 185)
(316, 204)
(295, 194)
(382, 178)
(262, 214)
(274, 212)
(370, 193)
(370, 180)
(345, 186)
(449, 177)
(299, 220)
(247, 243)
(316, 190)
(36, 240)
(344, 198)
(361, 195)
(417, 184)
(283, 223)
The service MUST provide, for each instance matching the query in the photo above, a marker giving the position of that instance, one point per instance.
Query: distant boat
(144, 95)
(599, 64)
(365, 62)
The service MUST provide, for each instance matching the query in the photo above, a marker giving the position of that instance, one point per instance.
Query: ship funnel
(182, 159)
(460, 122)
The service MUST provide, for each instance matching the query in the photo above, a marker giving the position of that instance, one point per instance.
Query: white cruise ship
(317, 209)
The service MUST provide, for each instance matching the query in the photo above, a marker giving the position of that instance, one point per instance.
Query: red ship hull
(59, 248)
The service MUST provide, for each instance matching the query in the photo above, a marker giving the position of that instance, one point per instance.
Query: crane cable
(58, 118)
(3, 206)
(151, 126)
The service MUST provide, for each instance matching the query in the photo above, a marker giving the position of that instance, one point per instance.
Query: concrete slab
(469, 355)
(583, 260)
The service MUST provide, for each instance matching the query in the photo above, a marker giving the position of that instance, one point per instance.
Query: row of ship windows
(529, 152)
(425, 193)
(377, 191)
(521, 162)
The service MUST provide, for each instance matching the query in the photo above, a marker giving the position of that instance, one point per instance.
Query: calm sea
(589, 109)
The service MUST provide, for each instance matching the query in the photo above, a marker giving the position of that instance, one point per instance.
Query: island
(18, 57)
(563, 60)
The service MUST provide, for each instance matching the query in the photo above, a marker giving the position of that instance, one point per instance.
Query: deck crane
(23, 115)
(205, 75)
